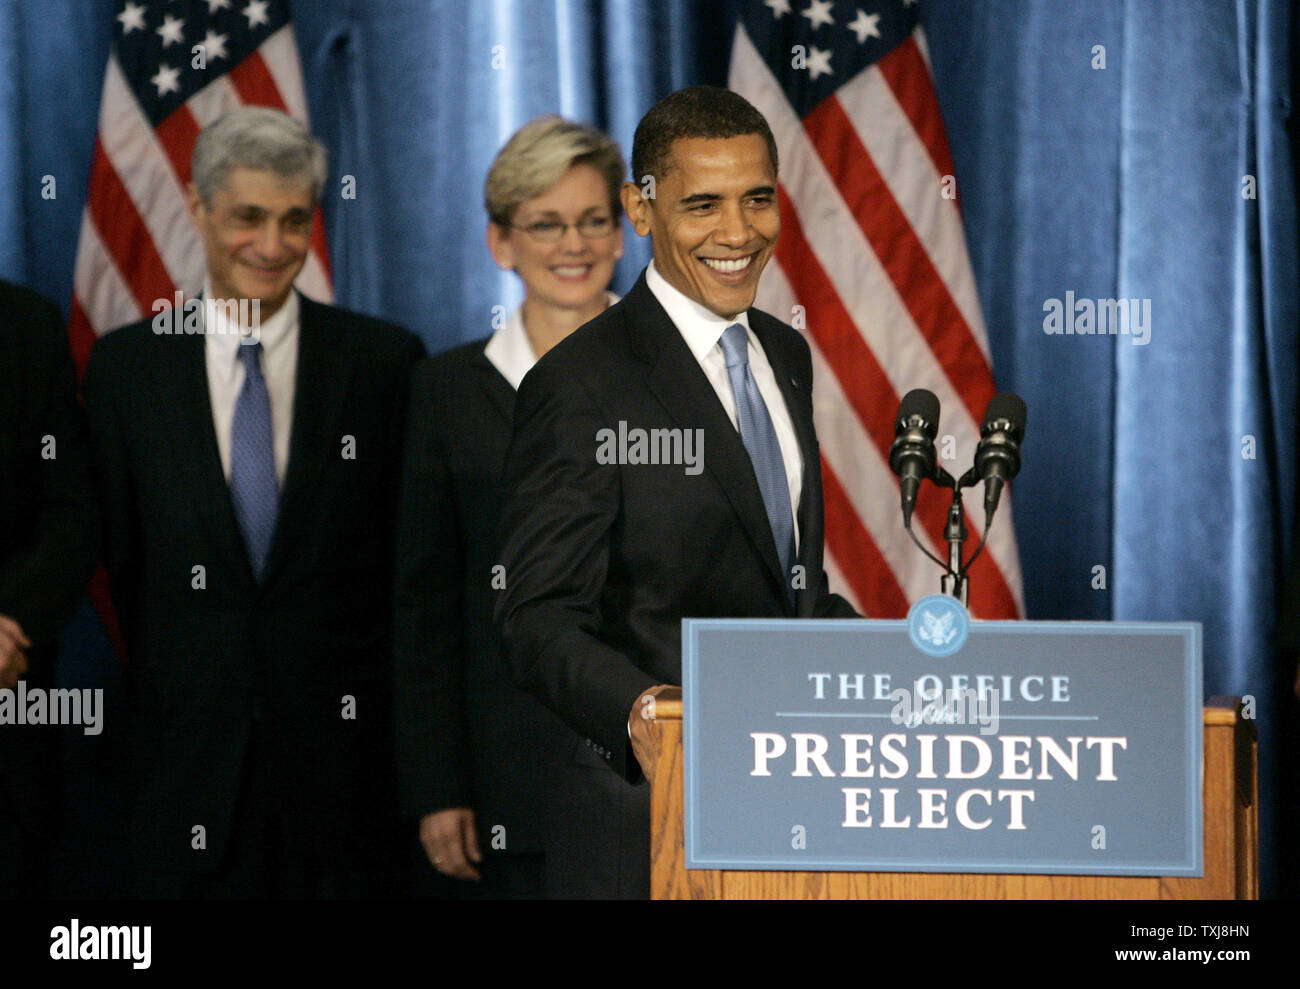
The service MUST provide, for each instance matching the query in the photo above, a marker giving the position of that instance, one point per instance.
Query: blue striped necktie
(253, 487)
(759, 436)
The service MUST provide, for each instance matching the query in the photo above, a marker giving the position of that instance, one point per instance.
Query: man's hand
(450, 841)
(13, 660)
(639, 723)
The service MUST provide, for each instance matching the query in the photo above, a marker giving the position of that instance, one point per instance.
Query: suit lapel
(183, 386)
(680, 384)
(320, 387)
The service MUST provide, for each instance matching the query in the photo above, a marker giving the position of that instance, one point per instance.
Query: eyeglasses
(550, 231)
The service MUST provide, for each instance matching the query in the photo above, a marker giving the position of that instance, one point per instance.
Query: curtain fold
(1140, 152)
(12, 255)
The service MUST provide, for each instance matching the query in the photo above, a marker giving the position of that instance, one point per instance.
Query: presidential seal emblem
(938, 625)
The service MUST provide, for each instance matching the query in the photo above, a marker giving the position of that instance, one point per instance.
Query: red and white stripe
(876, 257)
(137, 244)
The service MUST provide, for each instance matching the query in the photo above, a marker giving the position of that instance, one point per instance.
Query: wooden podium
(1228, 793)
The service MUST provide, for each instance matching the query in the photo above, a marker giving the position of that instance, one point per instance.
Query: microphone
(997, 456)
(912, 454)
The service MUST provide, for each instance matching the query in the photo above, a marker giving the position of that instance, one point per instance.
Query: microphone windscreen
(1007, 406)
(922, 403)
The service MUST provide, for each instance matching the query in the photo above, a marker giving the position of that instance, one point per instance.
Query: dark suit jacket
(467, 737)
(48, 548)
(209, 656)
(48, 513)
(604, 561)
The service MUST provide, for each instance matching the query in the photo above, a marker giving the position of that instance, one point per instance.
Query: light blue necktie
(759, 436)
(253, 486)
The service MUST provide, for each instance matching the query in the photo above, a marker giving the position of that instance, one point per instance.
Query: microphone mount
(997, 460)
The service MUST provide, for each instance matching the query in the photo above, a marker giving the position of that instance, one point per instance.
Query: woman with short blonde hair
(471, 744)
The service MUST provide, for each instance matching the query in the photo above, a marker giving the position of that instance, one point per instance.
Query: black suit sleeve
(41, 582)
(409, 352)
(428, 627)
(832, 605)
(113, 476)
(561, 508)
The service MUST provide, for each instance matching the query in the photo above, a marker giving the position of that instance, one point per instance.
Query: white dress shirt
(510, 350)
(702, 330)
(279, 338)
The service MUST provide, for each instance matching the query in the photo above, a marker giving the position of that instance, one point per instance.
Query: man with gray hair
(249, 477)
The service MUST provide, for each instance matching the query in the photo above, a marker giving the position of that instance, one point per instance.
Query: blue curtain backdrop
(1102, 149)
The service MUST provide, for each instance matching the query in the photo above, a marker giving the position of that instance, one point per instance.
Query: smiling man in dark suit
(610, 545)
(250, 477)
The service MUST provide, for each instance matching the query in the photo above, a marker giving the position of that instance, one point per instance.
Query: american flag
(175, 67)
(872, 250)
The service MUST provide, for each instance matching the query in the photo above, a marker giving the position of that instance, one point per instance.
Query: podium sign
(940, 744)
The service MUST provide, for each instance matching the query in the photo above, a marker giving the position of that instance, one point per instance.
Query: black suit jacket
(48, 548)
(48, 512)
(604, 561)
(467, 737)
(212, 650)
